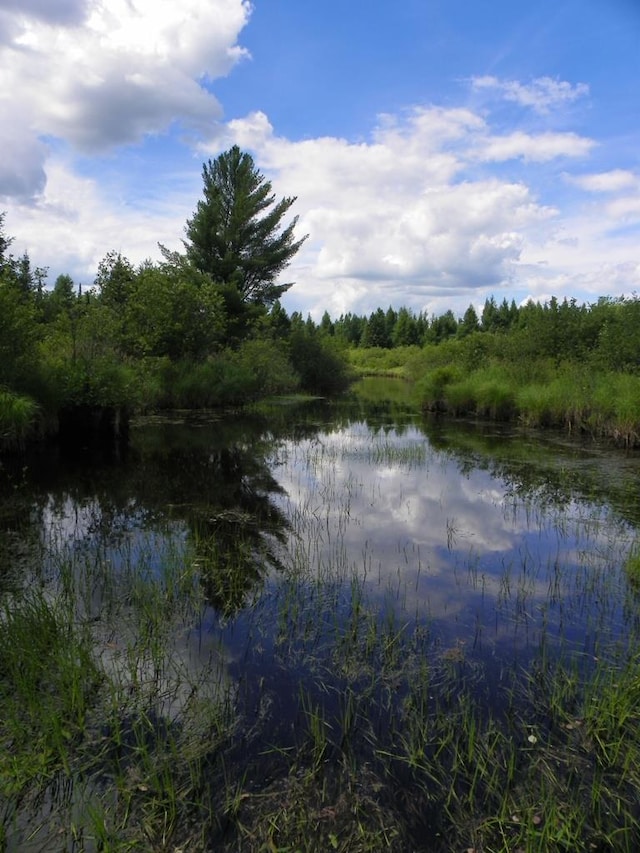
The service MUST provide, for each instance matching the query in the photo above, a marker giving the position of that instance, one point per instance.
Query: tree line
(559, 329)
(200, 327)
(205, 326)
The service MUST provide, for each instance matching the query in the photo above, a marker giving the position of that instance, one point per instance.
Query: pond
(321, 625)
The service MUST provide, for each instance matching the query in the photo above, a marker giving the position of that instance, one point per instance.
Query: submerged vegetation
(270, 634)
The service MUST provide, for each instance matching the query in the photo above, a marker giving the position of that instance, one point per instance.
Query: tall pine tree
(235, 234)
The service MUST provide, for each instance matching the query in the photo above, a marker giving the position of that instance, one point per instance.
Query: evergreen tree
(235, 234)
(469, 322)
(375, 332)
(326, 324)
(405, 331)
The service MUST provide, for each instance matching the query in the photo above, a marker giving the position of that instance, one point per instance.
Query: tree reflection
(236, 539)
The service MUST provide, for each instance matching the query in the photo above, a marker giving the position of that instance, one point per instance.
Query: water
(306, 553)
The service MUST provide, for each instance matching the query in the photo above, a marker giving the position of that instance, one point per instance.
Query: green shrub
(432, 386)
(495, 399)
(18, 418)
(268, 361)
(319, 362)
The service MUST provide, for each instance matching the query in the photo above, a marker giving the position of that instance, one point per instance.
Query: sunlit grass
(604, 405)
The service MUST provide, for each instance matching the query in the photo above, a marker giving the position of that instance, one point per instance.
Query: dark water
(494, 538)
(468, 541)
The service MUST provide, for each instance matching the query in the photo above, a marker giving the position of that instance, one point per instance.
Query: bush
(319, 362)
(18, 418)
(432, 386)
(269, 363)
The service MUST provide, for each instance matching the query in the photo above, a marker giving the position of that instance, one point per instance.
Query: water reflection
(205, 484)
(462, 546)
(491, 533)
(323, 584)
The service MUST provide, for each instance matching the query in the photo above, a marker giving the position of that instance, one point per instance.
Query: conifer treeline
(562, 329)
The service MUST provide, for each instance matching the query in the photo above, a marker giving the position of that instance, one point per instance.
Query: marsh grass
(632, 568)
(343, 719)
(18, 419)
(601, 404)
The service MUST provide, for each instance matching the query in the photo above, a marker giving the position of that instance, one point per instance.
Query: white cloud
(542, 94)
(606, 182)
(76, 223)
(537, 148)
(22, 163)
(52, 11)
(434, 209)
(99, 74)
(626, 209)
(398, 214)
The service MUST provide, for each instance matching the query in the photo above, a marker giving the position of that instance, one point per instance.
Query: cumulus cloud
(52, 11)
(76, 223)
(22, 172)
(542, 94)
(606, 182)
(401, 213)
(437, 207)
(98, 74)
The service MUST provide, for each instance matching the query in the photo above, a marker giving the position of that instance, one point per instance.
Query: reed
(18, 420)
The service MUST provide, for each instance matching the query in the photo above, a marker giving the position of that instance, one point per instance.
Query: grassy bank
(19, 420)
(481, 377)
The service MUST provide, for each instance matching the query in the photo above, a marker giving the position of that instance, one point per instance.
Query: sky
(440, 151)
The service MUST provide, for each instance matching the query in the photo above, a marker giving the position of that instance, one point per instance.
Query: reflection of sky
(90, 532)
(454, 549)
(451, 547)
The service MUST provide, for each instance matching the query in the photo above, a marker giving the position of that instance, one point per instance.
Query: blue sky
(441, 151)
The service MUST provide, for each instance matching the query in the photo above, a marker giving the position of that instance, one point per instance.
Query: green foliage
(619, 337)
(174, 311)
(434, 386)
(18, 419)
(632, 569)
(318, 361)
(442, 328)
(47, 674)
(269, 364)
(376, 361)
(20, 332)
(469, 322)
(115, 277)
(376, 331)
(234, 236)
(219, 381)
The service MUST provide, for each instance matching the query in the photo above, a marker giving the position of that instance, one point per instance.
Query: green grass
(18, 419)
(570, 396)
(376, 361)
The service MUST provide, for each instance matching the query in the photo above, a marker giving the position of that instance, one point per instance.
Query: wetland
(321, 625)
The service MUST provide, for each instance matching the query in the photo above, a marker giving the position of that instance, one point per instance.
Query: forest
(206, 328)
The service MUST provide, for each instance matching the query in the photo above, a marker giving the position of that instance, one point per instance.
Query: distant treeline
(169, 335)
(608, 328)
(559, 364)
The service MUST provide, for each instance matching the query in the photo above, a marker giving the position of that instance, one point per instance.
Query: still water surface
(493, 539)
(479, 543)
